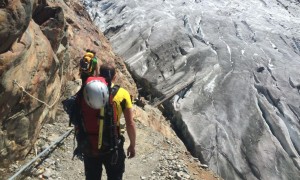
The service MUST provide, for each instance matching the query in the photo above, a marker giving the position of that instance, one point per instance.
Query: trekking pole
(101, 119)
(113, 124)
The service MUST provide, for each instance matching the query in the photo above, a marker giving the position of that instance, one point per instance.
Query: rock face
(41, 43)
(14, 17)
(242, 114)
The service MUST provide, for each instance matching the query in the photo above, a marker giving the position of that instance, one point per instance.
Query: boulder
(52, 23)
(14, 19)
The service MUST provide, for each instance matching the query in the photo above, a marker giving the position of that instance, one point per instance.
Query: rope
(57, 98)
(48, 150)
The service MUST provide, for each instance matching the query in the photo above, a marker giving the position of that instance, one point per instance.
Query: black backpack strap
(114, 90)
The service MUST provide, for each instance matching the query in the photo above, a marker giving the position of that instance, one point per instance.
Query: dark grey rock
(241, 116)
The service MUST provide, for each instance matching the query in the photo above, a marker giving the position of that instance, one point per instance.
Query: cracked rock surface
(241, 115)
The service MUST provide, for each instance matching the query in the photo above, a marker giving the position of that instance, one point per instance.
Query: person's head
(107, 70)
(91, 51)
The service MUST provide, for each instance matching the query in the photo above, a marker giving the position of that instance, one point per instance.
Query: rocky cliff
(41, 43)
(241, 114)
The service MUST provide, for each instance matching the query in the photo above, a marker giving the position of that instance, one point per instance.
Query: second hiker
(88, 65)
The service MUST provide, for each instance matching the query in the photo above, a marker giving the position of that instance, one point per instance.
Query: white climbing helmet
(96, 94)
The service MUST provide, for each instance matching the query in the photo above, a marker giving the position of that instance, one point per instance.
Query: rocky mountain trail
(41, 45)
(160, 154)
(240, 116)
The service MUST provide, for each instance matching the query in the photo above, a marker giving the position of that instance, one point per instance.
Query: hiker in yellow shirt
(113, 160)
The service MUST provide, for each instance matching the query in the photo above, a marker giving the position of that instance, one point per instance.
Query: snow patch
(211, 85)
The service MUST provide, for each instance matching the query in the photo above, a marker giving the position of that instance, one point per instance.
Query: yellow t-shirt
(122, 101)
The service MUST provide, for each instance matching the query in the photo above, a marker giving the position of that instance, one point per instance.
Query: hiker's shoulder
(122, 94)
(121, 90)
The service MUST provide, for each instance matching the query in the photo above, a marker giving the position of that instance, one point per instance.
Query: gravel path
(157, 157)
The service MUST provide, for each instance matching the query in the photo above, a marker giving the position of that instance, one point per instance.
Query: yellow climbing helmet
(86, 63)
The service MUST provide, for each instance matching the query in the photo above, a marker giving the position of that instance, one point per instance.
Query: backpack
(88, 63)
(86, 128)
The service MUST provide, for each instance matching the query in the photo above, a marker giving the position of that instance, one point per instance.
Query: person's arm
(130, 127)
